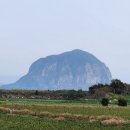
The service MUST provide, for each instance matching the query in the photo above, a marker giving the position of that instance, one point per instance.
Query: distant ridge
(75, 69)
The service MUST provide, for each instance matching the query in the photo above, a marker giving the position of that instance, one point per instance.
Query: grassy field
(8, 122)
(62, 102)
(45, 102)
(62, 115)
(16, 122)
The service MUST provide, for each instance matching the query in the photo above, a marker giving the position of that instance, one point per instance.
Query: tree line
(98, 91)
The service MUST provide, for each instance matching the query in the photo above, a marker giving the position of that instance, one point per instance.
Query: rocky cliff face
(70, 70)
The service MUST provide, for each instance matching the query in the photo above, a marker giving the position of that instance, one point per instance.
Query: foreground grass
(16, 122)
(123, 112)
(19, 115)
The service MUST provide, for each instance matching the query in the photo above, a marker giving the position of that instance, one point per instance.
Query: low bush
(122, 102)
(105, 101)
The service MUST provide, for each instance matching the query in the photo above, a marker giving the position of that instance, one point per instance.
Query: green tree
(118, 87)
(99, 91)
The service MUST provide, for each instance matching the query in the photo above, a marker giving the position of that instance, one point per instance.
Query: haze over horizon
(32, 29)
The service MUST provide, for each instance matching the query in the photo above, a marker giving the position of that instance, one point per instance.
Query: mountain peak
(76, 51)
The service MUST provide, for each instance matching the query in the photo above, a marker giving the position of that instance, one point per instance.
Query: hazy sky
(30, 29)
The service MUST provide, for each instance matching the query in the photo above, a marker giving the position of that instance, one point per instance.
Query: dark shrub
(36, 92)
(122, 102)
(105, 101)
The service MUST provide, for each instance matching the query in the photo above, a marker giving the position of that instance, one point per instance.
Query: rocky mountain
(76, 69)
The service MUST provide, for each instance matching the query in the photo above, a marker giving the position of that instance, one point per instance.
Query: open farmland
(55, 116)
